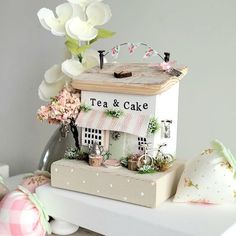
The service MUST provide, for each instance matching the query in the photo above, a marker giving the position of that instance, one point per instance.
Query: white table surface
(114, 218)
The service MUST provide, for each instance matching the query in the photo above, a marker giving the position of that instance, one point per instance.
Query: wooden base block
(120, 184)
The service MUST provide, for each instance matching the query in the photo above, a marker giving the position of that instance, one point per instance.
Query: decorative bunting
(150, 52)
(115, 51)
(132, 47)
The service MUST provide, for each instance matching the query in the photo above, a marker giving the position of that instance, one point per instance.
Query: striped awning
(132, 123)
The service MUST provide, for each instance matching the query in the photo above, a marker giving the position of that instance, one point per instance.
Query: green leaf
(102, 34)
(73, 46)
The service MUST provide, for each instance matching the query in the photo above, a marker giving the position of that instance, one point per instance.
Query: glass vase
(55, 148)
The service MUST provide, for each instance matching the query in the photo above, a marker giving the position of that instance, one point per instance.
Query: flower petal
(44, 16)
(72, 68)
(80, 30)
(83, 3)
(53, 74)
(50, 22)
(64, 12)
(46, 91)
(98, 13)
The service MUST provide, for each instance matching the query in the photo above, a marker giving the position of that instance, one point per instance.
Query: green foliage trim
(102, 34)
(74, 48)
(124, 161)
(146, 169)
(153, 126)
(72, 153)
(115, 113)
(85, 108)
(106, 155)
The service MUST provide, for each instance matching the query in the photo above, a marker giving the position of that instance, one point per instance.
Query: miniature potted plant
(132, 162)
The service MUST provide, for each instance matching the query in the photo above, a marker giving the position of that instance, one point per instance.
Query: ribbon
(44, 218)
(224, 152)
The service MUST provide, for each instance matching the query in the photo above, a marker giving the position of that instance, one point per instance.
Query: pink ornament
(149, 53)
(165, 65)
(21, 213)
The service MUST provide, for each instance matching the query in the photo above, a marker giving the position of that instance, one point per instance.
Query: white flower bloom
(96, 14)
(83, 3)
(54, 81)
(81, 30)
(56, 24)
(73, 67)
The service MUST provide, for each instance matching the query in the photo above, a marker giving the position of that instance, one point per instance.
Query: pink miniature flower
(62, 109)
(165, 65)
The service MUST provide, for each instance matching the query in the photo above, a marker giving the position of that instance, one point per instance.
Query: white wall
(200, 34)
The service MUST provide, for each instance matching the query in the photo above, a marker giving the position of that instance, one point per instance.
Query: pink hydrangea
(62, 109)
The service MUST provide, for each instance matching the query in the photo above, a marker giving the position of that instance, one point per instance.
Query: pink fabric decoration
(21, 213)
(32, 182)
(19, 216)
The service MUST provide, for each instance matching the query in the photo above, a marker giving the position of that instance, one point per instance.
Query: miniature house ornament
(128, 105)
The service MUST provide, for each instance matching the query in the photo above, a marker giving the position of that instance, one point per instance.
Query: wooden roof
(146, 79)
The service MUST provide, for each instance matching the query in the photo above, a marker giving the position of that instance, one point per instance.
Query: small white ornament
(98, 191)
(128, 180)
(67, 183)
(56, 170)
(97, 174)
(72, 170)
(125, 198)
(111, 185)
(142, 194)
(83, 181)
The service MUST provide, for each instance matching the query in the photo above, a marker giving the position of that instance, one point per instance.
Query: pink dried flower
(62, 109)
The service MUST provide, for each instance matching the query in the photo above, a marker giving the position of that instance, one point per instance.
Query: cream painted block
(120, 184)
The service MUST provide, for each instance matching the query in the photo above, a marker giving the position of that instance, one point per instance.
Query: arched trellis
(149, 52)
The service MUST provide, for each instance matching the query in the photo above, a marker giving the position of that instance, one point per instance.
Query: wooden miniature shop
(148, 94)
(123, 108)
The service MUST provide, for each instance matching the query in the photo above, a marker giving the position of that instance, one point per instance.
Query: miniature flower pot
(95, 161)
(132, 165)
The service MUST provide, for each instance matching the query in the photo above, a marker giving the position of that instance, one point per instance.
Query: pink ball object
(20, 216)
(21, 213)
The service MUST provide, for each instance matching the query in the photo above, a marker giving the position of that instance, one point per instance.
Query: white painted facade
(163, 106)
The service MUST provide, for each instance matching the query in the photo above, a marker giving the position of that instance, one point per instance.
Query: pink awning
(132, 123)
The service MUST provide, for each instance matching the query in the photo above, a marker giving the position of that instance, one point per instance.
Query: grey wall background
(200, 34)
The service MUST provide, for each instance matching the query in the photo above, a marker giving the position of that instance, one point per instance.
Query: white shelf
(4, 170)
